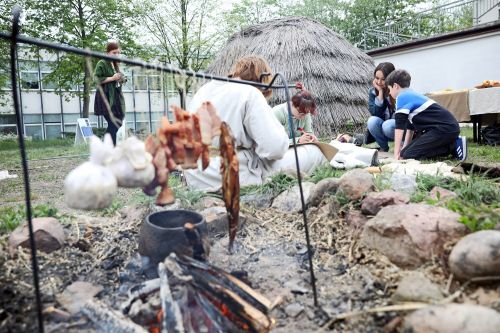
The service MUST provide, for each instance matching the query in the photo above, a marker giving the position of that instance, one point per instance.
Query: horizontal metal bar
(164, 68)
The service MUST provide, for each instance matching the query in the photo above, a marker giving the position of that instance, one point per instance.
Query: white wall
(453, 64)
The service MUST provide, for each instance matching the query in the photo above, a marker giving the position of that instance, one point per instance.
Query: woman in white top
(262, 142)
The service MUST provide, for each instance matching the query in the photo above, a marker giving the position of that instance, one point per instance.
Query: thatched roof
(337, 73)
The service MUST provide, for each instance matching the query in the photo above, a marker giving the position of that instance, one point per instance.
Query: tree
(81, 23)
(186, 33)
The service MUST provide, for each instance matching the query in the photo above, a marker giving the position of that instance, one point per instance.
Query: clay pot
(163, 232)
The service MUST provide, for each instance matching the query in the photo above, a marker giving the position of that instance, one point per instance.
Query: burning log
(109, 320)
(223, 299)
(139, 291)
(171, 315)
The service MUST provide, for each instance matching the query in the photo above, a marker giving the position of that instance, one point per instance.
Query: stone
(410, 234)
(355, 184)
(207, 202)
(48, 232)
(295, 286)
(374, 201)
(444, 194)
(324, 186)
(289, 200)
(476, 255)
(453, 318)
(416, 287)
(217, 222)
(404, 183)
(294, 309)
(177, 204)
(356, 219)
(76, 295)
(258, 200)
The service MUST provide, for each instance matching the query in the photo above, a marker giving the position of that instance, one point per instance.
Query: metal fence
(445, 18)
(15, 38)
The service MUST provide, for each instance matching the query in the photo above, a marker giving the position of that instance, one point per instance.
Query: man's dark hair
(399, 76)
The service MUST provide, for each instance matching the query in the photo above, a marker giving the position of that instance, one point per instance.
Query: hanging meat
(230, 180)
(178, 145)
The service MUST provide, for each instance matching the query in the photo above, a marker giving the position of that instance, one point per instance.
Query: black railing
(15, 38)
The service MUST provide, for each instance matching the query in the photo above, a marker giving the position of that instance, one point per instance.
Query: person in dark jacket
(415, 111)
(109, 101)
(381, 123)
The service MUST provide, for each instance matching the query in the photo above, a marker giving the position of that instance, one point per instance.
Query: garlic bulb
(90, 186)
(131, 164)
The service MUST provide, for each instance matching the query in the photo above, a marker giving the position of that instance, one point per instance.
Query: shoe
(461, 148)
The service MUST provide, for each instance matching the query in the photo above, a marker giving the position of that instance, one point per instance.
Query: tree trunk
(87, 82)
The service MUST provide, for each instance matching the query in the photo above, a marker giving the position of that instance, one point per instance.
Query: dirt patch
(271, 248)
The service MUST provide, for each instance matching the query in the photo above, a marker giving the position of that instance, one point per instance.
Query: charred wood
(109, 320)
(139, 291)
(172, 318)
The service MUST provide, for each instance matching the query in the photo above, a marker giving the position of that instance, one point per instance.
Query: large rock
(289, 200)
(453, 318)
(217, 221)
(77, 294)
(355, 219)
(258, 200)
(441, 194)
(416, 287)
(374, 201)
(410, 234)
(48, 232)
(404, 183)
(355, 184)
(476, 255)
(324, 186)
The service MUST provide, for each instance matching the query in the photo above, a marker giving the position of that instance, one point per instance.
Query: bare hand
(116, 76)
(307, 137)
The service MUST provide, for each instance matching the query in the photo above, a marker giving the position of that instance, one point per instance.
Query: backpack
(491, 135)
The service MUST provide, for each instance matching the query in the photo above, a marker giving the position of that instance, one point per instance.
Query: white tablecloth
(484, 101)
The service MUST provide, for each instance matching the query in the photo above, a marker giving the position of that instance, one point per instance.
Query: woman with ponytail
(303, 106)
(109, 101)
(381, 105)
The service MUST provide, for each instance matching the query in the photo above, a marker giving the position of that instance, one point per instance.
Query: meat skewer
(230, 180)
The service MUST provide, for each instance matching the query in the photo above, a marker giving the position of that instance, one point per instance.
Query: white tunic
(257, 132)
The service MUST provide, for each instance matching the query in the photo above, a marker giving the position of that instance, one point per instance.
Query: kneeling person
(415, 111)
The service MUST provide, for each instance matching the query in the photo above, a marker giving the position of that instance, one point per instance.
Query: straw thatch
(337, 73)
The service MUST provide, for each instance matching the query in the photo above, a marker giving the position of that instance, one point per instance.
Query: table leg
(479, 125)
(474, 128)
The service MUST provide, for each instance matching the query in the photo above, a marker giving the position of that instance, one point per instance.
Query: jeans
(431, 144)
(382, 131)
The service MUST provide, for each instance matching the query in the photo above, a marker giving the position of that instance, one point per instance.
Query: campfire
(189, 296)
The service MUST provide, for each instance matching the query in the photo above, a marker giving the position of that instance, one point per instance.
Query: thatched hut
(337, 73)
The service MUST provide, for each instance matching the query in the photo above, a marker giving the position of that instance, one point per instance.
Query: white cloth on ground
(351, 156)
(310, 157)
(259, 136)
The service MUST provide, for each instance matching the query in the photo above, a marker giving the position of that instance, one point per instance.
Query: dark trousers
(112, 128)
(430, 144)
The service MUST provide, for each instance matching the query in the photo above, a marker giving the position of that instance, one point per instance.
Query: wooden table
(479, 106)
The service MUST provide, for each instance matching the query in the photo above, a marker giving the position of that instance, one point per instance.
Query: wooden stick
(138, 291)
(172, 318)
(109, 320)
(388, 308)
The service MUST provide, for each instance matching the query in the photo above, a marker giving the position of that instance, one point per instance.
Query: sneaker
(461, 148)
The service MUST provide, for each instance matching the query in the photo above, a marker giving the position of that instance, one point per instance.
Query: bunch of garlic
(94, 184)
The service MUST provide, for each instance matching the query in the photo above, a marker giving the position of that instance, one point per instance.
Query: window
(47, 83)
(154, 83)
(30, 80)
(140, 82)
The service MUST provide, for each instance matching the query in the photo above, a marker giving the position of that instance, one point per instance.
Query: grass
(11, 217)
(477, 201)
(37, 149)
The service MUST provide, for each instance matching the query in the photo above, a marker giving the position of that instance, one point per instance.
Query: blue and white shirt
(423, 114)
